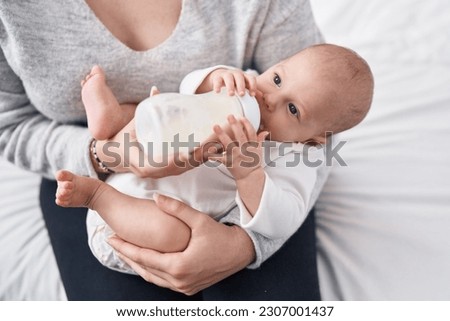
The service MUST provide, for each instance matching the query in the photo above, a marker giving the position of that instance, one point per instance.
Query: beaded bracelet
(100, 164)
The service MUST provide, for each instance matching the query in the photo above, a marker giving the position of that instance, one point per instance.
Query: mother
(47, 50)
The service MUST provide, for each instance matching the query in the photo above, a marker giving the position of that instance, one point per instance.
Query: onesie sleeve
(291, 188)
(286, 198)
(33, 142)
(194, 79)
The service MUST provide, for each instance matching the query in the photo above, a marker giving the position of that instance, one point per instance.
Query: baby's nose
(268, 101)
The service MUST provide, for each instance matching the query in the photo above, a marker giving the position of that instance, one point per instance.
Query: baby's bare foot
(96, 71)
(103, 111)
(76, 191)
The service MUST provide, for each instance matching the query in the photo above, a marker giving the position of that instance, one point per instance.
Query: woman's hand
(123, 153)
(214, 252)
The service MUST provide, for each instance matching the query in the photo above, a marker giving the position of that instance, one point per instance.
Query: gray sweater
(47, 47)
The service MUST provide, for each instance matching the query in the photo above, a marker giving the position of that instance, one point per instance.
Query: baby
(320, 90)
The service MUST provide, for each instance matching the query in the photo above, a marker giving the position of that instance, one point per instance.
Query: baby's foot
(102, 108)
(76, 191)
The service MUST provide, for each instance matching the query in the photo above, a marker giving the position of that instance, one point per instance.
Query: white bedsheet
(383, 220)
(28, 269)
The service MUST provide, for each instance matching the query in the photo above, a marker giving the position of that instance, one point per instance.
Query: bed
(383, 220)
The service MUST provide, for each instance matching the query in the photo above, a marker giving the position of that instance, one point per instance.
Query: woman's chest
(139, 24)
(51, 48)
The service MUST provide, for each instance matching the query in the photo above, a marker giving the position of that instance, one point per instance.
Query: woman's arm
(33, 142)
(222, 249)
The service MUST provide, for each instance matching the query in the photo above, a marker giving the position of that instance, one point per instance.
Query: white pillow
(383, 221)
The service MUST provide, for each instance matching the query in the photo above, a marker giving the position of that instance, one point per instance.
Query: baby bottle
(173, 123)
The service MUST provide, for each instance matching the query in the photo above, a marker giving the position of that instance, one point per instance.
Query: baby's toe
(63, 175)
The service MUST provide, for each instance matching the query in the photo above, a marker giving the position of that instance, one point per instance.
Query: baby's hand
(154, 91)
(235, 80)
(242, 147)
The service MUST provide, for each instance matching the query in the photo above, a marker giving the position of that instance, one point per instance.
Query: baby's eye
(277, 80)
(293, 110)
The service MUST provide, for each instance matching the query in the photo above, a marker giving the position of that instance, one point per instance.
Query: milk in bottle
(168, 119)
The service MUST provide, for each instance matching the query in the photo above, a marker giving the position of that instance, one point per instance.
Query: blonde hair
(353, 83)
